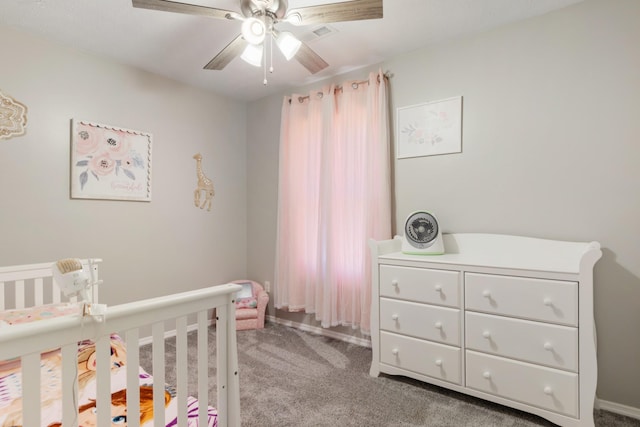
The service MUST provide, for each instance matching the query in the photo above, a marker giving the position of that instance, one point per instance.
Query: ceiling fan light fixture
(288, 44)
(253, 54)
(254, 30)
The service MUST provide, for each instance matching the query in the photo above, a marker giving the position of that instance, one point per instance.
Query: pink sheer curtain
(334, 195)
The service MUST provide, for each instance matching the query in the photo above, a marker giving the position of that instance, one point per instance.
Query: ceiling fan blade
(233, 49)
(190, 9)
(311, 60)
(354, 10)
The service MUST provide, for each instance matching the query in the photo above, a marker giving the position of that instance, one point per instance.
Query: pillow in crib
(245, 297)
(42, 312)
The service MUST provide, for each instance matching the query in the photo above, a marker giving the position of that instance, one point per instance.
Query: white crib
(168, 316)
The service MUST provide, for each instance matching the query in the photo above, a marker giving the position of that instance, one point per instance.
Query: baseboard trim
(617, 408)
(321, 331)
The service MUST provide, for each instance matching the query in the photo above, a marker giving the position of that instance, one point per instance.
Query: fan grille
(421, 229)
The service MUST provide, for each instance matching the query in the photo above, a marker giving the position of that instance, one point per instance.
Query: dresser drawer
(430, 322)
(542, 343)
(420, 285)
(545, 388)
(528, 298)
(423, 357)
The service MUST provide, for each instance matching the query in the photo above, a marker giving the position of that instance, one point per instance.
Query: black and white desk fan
(74, 281)
(422, 235)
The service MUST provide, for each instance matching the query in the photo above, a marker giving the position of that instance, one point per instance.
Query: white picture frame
(109, 162)
(429, 129)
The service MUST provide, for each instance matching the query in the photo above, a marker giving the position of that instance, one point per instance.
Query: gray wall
(550, 150)
(149, 249)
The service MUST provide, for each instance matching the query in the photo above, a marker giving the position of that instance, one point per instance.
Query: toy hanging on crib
(74, 281)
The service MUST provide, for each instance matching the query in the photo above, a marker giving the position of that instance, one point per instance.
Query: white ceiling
(178, 46)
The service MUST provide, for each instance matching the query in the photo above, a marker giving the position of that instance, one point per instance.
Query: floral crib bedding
(51, 381)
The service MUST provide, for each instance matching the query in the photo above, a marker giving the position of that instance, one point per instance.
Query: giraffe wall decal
(205, 185)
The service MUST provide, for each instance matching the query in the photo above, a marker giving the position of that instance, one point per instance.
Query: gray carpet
(294, 378)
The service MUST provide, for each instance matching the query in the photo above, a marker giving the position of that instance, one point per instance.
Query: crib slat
(31, 390)
(227, 377)
(158, 374)
(181, 370)
(231, 351)
(94, 294)
(132, 338)
(103, 381)
(19, 287)
(93, 291)
(203, 367)
(2, 306)
(69, 385)
(38, 290)
(55, 292)
(222, 361)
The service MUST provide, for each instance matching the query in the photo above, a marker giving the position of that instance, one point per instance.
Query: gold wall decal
(13, 117)
(205, 185)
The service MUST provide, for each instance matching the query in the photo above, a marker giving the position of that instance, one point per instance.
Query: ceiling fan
(259, 19)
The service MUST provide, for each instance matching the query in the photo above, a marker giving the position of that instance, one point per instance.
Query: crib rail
(26, 285)
(28, 341)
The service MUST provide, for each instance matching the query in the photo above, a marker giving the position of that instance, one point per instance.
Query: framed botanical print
(109, 162)
(429, 129)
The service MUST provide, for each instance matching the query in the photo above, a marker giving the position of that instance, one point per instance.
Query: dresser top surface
(504, 251)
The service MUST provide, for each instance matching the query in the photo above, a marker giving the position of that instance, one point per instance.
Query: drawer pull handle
(548, 346)
(438, 325)
(394, 317)
(438, 362)
(486, 334)
(395, 351)
(547, 302)
(548, 390)
(486, 294)
(438, 288)
(394, 283)
(486, 375)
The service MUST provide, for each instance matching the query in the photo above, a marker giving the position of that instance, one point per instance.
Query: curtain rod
(354, 85)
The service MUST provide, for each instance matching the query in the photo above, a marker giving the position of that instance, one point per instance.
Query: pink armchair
(250, 310)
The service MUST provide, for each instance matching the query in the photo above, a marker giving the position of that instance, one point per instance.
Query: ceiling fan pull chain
(264, 66)
(271, 53)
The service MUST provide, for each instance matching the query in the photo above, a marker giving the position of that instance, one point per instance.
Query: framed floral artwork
(429, 129)
(109, 162)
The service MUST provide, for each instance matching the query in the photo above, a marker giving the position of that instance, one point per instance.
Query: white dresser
(505, 318)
